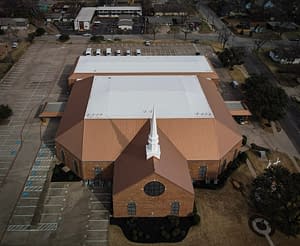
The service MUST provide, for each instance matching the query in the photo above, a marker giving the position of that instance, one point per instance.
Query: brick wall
(157, 206)
(69, 158)
(214, 167)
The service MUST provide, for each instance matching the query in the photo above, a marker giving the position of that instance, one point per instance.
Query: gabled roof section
(132, 165)
(70, 130)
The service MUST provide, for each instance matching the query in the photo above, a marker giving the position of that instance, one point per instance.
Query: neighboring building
(85, 16)
(14, 23)
(125, 22)
(285, 55)
(150, 135)
(170, 9)
(87, 66)
(84, 19)
(115, 11)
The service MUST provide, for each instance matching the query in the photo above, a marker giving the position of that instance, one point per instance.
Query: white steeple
(153, 147)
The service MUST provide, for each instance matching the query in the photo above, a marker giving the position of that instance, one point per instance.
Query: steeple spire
(153, 147)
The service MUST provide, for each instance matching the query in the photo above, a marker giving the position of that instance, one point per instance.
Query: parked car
(118, 52)
(108, 51)
(88, 52)
(147, 43)
(14, 45)
(138, 52)
(128, 52)
(98, 52)
(234, 84)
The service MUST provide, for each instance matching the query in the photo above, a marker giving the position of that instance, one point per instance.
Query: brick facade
(87, 168)
(155, 206)
(214, 167)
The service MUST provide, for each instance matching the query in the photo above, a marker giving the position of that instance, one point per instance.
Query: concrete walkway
(251, 169)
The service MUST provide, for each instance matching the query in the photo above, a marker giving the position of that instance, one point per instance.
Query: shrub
(117, 39)
(64, 37)
(242, 157)
(195, 219)
(140, 234)
(40, 31)
(244, 141)
(97, 38)
(174, 220)
(2, 32)
(5, 111)
(176, 232)
(30, 37)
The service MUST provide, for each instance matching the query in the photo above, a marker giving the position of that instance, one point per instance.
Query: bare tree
(154, 28)
(186, 31)
(259, 43)
(224, 36)
(174, 29)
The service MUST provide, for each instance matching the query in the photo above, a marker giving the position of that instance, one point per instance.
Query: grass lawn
(259, 165)
(18, 52)
(4, 67)
(204, 28)
(224, 220)
(239, 73)
(15, 55)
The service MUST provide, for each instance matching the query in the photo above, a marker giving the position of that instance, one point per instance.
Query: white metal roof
(86, 14)
(125, 8)
(133, 97)
(142, 64)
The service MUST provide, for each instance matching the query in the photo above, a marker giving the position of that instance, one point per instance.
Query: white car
(14, 45)
(87, 35)
(118, 52)
(138, 52)
(98, 52)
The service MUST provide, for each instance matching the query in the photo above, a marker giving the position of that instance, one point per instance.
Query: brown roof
(105, 139)
(132, 165)
(70, 132)
(80, 76)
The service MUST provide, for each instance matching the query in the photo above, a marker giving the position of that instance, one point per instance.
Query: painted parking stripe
(101, 202)
(26, 206)
(97, 230)
(33, 188)
(47, 227)
(18, 227)
(95, 241)
(40, 168)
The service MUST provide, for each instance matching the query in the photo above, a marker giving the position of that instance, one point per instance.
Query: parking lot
(38, 211)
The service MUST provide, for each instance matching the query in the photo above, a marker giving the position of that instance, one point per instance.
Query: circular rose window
(154, 188)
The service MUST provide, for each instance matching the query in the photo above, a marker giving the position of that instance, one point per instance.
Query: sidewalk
(275, 141)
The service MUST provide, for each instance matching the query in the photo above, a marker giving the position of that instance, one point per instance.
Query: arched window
(131, 208)
(175, 207)
(154, 188)
(62, 155)
(202, 172)
(75, 166)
